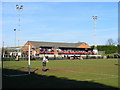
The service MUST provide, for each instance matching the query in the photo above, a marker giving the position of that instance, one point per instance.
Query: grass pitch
(88, 73)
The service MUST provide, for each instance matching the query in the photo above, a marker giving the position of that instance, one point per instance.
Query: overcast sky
(60, 22)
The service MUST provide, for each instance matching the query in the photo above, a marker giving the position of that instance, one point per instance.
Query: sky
(69, 22)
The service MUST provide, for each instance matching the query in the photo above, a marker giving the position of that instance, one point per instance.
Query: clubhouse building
(39, 48)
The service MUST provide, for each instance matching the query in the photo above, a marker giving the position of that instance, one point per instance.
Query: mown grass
(102, 71)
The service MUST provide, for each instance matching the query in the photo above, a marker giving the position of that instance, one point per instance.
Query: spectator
(81, 58)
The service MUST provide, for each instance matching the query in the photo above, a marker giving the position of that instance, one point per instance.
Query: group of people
(47, 50)
(76, 57)
(69, 51)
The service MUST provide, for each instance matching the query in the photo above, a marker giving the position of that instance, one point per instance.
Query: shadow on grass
(42, 81)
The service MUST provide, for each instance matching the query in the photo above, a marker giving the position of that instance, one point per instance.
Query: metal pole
(95, 18)
(95, 45)
(28, 59)
(95, 33)
(3, 49)
(19, 8)
(19, 28)
(15, 36)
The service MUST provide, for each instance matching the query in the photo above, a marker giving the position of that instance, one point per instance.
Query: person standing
(44, 63)
(81, 58)
(17, 58)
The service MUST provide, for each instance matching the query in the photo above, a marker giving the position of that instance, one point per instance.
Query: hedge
(109, 49)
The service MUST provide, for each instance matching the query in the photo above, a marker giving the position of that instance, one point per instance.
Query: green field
(88, 73)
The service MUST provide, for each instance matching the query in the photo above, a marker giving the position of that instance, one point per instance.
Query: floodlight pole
(95, 45)
(19, 8)
(15, 36)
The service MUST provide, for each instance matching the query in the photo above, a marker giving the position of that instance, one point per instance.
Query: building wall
(25, 49)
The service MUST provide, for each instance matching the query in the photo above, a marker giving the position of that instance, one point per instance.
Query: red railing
(67, 52)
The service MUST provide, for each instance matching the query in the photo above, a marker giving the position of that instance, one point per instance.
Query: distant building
(57, 48)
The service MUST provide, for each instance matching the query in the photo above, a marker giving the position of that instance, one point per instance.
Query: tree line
(109, 49)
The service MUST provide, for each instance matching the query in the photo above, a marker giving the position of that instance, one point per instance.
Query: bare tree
(110, 42)
(118, 40)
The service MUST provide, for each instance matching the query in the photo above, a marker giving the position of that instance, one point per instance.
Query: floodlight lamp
(21, 7)
(95, 17)
(17, 6)
(14, 29)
